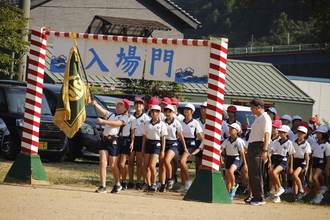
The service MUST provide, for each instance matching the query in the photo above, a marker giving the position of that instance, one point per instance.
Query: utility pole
(25, 5)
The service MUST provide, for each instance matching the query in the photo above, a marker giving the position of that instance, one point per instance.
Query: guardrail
(274, 48)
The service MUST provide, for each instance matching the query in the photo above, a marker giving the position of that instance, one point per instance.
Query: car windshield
(110, 103)
(16, 102)
(245, 117)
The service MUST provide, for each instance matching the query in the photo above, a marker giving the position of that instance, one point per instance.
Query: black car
(85, 143)
(53, 144)
(4, 139)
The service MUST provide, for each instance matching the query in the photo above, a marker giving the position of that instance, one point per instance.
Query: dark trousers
(256, 169)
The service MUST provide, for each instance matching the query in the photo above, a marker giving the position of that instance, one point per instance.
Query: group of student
(154, 132)
(158, 132)
(292, 153)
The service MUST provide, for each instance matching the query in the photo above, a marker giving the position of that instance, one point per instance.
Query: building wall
(319, 91)
(75, 16)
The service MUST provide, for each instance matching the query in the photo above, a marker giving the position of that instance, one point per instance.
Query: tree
(12, 29)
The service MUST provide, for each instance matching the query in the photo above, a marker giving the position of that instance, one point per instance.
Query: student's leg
(131, 161)
(184, 168)
(271, 178)
(198, 161)
(296, 181)
(139, 166)
(276, 172)
(113, 164)
(316, 184)
(147, 174)
(162, 171)
(174, 165)
(169, 157)
(103, 155)
(122, 165)
(152, 166)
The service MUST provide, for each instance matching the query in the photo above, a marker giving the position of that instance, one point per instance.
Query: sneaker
(101, 189)
(300, 195)
(153, 188)
(288, 190)
(318, 198)
(188, 184)
(138, 186)
(277, 199)
(323, 189)
(116, 189)
(248, 199)
(279, 191)
(158, 185)
(182, 189)
(272, 191)
(270, 197)
(170, 183)
(144, 185)
(162, 188)
(255, 202)
(130, 185)
(233, 191)
(123, 185)
(146, 189)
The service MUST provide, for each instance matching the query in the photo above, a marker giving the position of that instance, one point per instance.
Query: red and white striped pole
(27, 167)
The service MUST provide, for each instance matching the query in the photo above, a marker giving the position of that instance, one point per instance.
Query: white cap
(272, 109)
(204, 104)
(191, 106)
(169, 107)
(284, 128)
(322, 129)
(296, 117)
(155, 107)
(302, 129)
(287, 117)
(236, 126)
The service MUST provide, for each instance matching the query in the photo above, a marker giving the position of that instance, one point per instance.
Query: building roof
(245, 79)
(33, 4)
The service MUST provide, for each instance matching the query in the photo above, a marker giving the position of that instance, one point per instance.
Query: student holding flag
(109, 147)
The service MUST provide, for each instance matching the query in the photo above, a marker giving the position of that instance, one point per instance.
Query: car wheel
(13, 149)
(73, 154)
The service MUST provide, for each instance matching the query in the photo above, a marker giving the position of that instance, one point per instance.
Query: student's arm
(162, 151)
(290, 167)
(242, 152)
(180, 135)
(110, 123)
(132, 139)
(194, 153)
(99, 108)
(200, 136)
(269, 159)
(307, 163)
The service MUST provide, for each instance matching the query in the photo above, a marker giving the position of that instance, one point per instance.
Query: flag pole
(73, 36)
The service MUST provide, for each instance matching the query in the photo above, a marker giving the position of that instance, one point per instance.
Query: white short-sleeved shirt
(301, 149)
(261, 125)
(173, 128)
(109, 130)
(233, 148)
(178, 116)
(154, 131)
(272, 141)
(127, 128)
(201, 124)
(138, 123)
(225, 128)
(191, 128)
(311, 139)
(283, 149)
(319, 149)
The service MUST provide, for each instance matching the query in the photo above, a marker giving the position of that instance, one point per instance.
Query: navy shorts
(298, 162)
(191, 144)
(230, 160)
(279, 160)
(112, 146)
(153, 147)
(124, 145)
(319, 163)
(137, 144)
(172, 145)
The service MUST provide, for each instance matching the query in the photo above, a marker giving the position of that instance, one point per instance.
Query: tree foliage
(12, 29)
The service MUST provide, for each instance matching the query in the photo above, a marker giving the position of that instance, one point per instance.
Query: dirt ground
(64, 202)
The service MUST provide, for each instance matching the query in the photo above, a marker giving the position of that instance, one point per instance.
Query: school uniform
(299, 157)
(173, 128)
(125, 136)
(189, 132)
(178, 116)
(320, 152)
(153, 133)
(138, 123)
(282, 151)
(225, 128)
(202, 124)
(233, 149)
(111, 141)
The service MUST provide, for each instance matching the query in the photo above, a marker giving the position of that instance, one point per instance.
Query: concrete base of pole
(27, 169)
(208, 186)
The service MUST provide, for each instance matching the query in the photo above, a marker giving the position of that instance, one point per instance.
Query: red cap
(314, 119)
(244, 127)
(174, 101)
(277, 117)
(166, 101)
(153, 101)
(231, 109)
(138, 100)
(125, 102)
(276, 124)
(303, 123)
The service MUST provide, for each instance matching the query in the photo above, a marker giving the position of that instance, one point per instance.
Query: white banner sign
(184, 64)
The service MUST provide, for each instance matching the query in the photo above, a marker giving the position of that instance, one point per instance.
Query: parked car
(109, 102)
(53, 144)
(85, 143)
(4, 139)
(130, 97)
